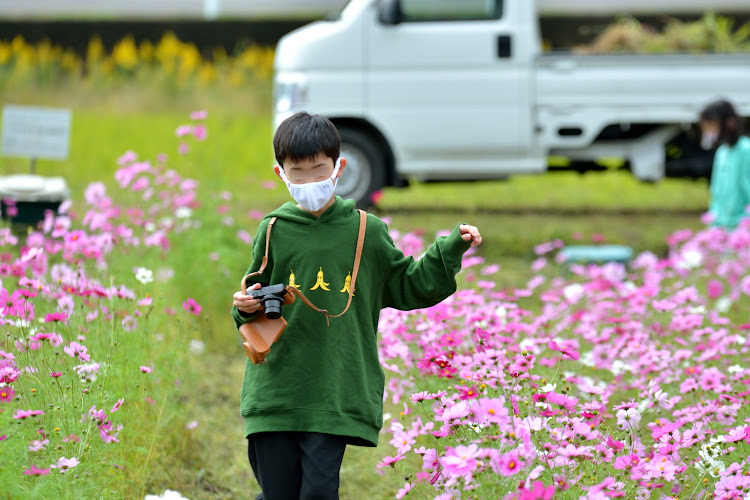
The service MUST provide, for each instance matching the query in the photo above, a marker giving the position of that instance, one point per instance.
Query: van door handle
(504, 49)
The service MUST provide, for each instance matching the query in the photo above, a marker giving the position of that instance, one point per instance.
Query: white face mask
(312, 196)
(708, 139)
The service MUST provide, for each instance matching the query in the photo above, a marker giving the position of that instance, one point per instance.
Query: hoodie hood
(340, 212)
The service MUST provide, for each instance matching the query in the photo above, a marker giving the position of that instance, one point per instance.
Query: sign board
(34, 132)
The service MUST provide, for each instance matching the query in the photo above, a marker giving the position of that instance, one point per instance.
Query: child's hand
(247, 303)
(470, 233)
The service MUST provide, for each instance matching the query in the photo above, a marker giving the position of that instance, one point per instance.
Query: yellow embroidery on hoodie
(347, 284)
(291, 279)
(320, 283)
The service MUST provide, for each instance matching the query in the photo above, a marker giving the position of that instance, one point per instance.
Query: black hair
(303, 136)
(730, 123)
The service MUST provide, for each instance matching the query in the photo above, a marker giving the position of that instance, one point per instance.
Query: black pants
(296, 465)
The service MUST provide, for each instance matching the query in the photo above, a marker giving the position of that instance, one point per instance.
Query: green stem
(151, 446)
(696, 486)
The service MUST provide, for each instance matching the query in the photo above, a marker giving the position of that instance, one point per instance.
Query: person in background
(730, 179)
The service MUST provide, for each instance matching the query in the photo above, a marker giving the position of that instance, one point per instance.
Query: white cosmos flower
(168, 495)
(183, 213)
(723, 304)
(690, 259)
(197, 346)
(144, 275)
(573, 292)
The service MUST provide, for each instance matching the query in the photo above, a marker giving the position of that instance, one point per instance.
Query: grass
(514, 215)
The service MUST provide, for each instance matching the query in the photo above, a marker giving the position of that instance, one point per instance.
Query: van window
(450, 10)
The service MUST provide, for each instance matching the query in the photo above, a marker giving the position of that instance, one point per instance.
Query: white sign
(34, 132)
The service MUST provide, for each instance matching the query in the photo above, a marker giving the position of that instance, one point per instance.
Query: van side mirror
(389, 12)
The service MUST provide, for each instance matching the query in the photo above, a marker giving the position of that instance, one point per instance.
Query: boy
(321, 387)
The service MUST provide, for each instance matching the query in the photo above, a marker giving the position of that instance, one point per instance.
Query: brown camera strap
(265, 257)
(295, 291)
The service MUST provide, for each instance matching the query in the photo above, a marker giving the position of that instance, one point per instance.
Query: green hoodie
(328, 379)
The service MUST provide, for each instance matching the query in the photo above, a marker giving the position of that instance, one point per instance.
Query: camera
(272, 298)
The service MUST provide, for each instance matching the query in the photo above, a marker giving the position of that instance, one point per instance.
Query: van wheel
(365, 167)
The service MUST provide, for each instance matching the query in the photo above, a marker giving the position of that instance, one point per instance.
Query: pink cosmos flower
(714, 289)
(76, 349)
(493, 410)
(538, 491)
(628, 418)
(11, 304)
(569, 352)
(491, 269)
(183, 130)
(140, 184)
(403, 441)
(8, 371)
(244, 237)
(24, 414)
(54, 339)
(36, 471)
(390, 461)
(55, 374)
(567, 402)
(507, 464)
(38, 445)
(127, 157)
(615, 445)
(64, 464)
(199, 132)
(419, 396)
(117, 405)
(201, 114)
(6, 394)
(192, 306)
(626, 461)
(460, 460)
(145, 369)
(468, 392)
(404, 491)
(55, 317)
(538, 264)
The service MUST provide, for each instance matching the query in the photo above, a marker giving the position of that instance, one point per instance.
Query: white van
(460, 90)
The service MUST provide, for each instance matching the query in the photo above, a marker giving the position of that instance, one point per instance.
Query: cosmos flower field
(600, 381)
(593, 382)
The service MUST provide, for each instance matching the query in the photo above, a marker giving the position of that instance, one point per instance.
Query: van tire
(365, 171)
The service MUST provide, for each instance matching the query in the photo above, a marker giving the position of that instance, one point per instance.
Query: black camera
(272, 298)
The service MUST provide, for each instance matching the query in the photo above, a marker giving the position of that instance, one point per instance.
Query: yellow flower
(207, 73)
(44, 52)
(125, 54)
(146, 51)
(95, 50)
(5, 52)
(190, 59)
(235, 78)
(18, 43)
(70, 61)
(168, 47)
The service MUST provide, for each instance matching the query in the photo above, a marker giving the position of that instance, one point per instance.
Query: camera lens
(272, 306)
